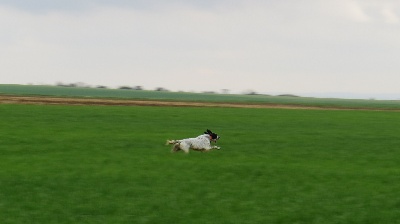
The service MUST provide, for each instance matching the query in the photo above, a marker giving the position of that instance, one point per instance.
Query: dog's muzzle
(215, 140)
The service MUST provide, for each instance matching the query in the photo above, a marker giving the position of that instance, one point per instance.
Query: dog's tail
(171, 142)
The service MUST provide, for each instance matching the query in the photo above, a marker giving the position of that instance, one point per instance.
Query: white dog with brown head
(200, 143)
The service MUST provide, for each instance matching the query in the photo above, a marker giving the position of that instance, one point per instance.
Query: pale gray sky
(346, 48)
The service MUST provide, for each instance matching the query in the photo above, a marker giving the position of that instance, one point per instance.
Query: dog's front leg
(211, 147)
(216, 147)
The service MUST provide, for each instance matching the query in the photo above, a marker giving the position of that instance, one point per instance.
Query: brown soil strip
(6, 99)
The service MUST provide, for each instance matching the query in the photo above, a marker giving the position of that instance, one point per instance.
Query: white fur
(200, 143)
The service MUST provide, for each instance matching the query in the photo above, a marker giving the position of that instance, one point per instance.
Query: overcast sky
(346, 48)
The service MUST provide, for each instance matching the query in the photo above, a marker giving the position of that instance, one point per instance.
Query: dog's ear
(208, 131)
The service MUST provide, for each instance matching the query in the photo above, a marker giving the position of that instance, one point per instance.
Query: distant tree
(66, 85)
(101, 87)
(124, 87)
(161, 89)
(251, 92)
(138, 88)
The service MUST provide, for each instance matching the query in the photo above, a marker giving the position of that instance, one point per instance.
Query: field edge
(51, 100)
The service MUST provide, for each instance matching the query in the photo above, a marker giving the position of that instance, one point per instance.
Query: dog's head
(214, 136)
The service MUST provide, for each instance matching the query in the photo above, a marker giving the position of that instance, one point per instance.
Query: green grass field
(198, 97)
(109, 164)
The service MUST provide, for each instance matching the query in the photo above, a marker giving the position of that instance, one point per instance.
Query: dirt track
(5, 99)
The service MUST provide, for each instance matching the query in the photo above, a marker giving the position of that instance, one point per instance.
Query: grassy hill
(196, 97)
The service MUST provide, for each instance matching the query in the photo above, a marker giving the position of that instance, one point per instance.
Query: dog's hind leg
(184, 147)
(175, 148)
(170, 142)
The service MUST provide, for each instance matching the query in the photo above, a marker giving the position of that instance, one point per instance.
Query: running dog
(200, 143)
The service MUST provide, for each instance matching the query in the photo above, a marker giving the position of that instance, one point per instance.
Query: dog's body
(200, 143)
